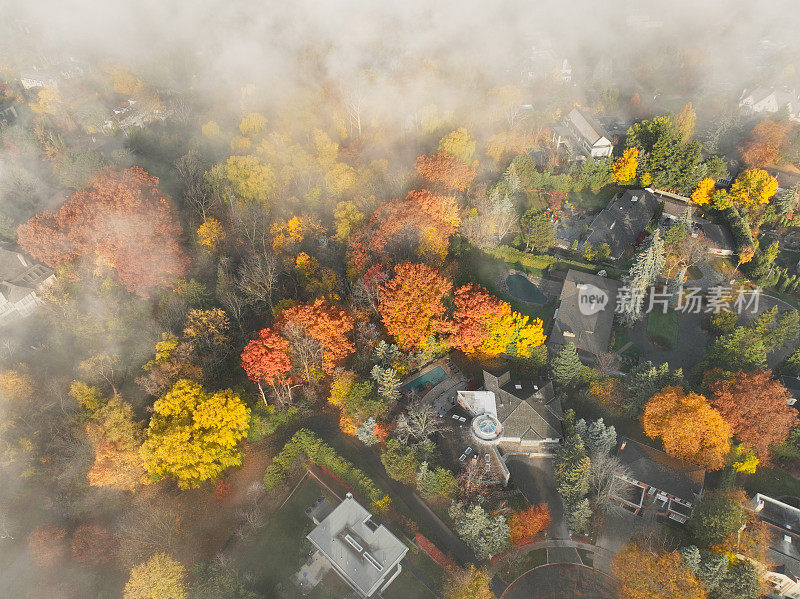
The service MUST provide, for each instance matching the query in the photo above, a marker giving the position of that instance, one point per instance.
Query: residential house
(8, 112)
(21, 281)
(717, 239)
(581, 132)
(365, 554)
(34, 78)
(770, 100)
(673, 486)
(623, 220)
(574, 321)
(782, 524)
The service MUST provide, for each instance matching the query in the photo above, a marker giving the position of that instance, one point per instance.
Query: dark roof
(622, 220)
(530, 412)
(715, 235)
(657, 469)
(590, 333)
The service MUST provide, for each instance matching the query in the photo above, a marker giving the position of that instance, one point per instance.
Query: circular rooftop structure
(486, 427)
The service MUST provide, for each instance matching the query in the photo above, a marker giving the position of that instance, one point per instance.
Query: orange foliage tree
(411, 304)
(121, 220)
(266, 359)
(327, 325)
(646, 574)
(754, 405)
(451, 172)
(763, 146)
(424, 218)
(528, 523)
(688, 426)
(475, 308)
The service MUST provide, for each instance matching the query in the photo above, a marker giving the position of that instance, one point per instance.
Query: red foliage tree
(47, 544)
(474, 307)
(448, 170)
(121, 220)
(327, 325)
(528, 523)
(266, 360)
(754, 405)
(92, 544)
(411, 303)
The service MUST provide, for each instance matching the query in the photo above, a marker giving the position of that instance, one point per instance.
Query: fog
(384, 63)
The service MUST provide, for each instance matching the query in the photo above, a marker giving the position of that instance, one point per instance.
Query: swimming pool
(522, 289)
(433, 377)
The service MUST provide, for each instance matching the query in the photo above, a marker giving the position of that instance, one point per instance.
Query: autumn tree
(411, 303)
(751, 188)
(476, 482)
(449, 171)
(266, 360)
(173, 360)
(458, 143)
(538, 230)
(47, 545)
(327, 325)
(473, 583)
(121, 220)
(419, 422)
(160, 577)
(685, 121)
(625, 166)
(116, 437)
(528, 523)
(688, 426)
(400, 461)
(764, 143)
(755, 406)
(246, 178)
(645, 573)
(92, 544)
(210, 234)
(193, 434)
(704, 192)
(718, 517)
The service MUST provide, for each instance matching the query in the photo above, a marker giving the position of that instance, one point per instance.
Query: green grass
(273, 553)
(407, 586)
(517, 568)
(590, 202)
(663, 328)
(693, 273)
(622, 336)
(773, 482)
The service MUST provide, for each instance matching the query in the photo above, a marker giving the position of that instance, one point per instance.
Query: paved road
(534, 477)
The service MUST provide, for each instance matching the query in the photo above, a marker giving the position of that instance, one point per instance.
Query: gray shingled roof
(657, 469)
(590, 333)
(620, 223)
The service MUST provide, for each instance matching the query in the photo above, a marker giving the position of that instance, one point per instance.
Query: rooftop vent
(353, 543)
(375, 563)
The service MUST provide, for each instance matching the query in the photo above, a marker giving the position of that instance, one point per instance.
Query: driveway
(534, 477)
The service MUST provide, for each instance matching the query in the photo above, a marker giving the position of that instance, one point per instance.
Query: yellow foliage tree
(123, 80)
(348, 218)
(745, 460)
(625, 166)
(210, 129)
(48, 101)
(194, 435)
(249, 178)
(16, 385)
(512, 328)
(340, 178)
(473, 583)
(646, 179)
(508, 143)
(210, 233)
(240, 144)
(458, 143)
(285, 233)
(160, 577)
(704, 192)
(690, 428)
(252, 124)
(752, 187)
(685, 121)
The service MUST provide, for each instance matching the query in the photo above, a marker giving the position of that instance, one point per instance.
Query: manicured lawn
(407, 586)
(621, 337)
(271, 555)
(663, 328)
(535, 558)
(773, 482)
(590, 202)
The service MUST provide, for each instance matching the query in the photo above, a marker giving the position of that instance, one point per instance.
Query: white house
(771, 100)
(581, 132)
(21, 280)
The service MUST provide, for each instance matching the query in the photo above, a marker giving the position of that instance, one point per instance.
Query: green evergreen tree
(565, 365)
(642, 275)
